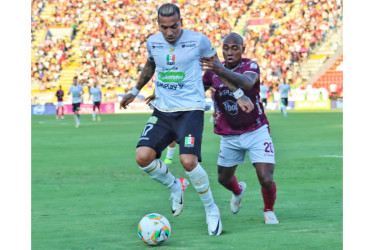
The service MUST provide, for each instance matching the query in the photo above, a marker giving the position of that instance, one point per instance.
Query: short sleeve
(253, 67)
(206, 47)
(150, 57)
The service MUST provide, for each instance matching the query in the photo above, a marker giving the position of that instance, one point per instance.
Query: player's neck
(235, 67)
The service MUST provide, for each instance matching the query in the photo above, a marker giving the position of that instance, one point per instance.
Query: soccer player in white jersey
(76, 91)
(284, 89)
(173, 54)
(264, 89)
(242, 131)
(95, 92)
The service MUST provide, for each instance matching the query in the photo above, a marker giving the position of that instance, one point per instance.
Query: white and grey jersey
(284, 89)
(76, 91)
(178, 82)
(96, 94)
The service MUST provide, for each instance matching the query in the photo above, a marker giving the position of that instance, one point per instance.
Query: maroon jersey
(232, 120)
(60, 95)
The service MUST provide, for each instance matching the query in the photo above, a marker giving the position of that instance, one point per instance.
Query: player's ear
(181, 22)
(243, 49)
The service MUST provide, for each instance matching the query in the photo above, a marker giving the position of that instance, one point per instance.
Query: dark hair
(168, 9)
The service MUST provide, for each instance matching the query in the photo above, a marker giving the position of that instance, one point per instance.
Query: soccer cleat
(270, 218)
(99, 118)
(57, 117)
(168, 161)
(93, 119)
(77, 125)
(213, 219)
(236, 200)
(177, 198)
(62, 117)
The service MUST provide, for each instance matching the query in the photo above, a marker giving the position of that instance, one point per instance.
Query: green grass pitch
(88, 192)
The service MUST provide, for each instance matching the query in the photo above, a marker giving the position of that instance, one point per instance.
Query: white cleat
(236, 200)
(77, 125)
(213, 219)
(177, 198)
(270, 217)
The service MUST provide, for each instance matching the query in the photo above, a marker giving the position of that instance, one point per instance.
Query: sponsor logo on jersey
(225, 92)
(157, 46)
(170, 86)
(170, 59)
(171, 49)
(171, 76)
(188, 45)
(231, 107)
(181, 85)
(189, 141)
(168, 69)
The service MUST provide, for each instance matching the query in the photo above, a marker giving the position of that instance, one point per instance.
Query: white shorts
(258, 143)
(60, 104)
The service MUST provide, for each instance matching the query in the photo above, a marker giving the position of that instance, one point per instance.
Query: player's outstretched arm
(145, 76)
(233, 80)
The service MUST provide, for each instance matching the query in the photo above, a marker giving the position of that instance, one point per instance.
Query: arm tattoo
(146, 75)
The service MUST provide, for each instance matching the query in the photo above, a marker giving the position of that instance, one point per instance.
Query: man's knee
(266, 182)
(265, 174)
(145, 156)
(224, 179)
(189, 162)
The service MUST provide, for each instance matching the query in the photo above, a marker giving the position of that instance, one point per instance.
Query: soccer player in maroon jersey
(60, 102)
(241, 130)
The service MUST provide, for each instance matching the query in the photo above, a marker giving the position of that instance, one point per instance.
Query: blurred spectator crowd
(112, 46)
(288, 41)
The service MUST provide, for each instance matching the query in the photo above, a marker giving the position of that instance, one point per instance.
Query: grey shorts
(258, 144)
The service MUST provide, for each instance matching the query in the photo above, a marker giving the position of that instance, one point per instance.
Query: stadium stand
(106, 38)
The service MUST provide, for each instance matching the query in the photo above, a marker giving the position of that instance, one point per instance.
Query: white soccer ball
(153, 229)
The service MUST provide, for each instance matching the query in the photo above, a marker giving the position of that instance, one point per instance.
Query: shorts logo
(152, 120)
(189, 141)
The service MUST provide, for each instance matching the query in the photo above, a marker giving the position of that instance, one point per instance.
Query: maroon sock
(269, 196)
(234, 186)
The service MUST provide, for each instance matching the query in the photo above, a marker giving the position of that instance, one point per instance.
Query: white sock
(284, 111)
(94, 115)
(170, 152)
(175, 186)
(160, 172)
(200, 181)
(76, 118)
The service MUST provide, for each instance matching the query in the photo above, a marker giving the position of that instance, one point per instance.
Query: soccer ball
(153, 229)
